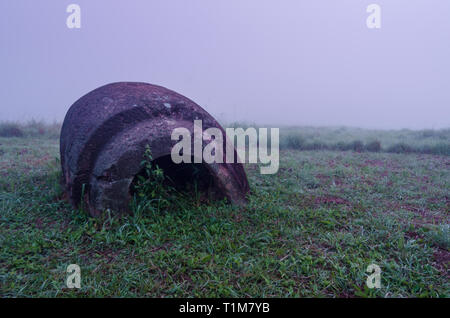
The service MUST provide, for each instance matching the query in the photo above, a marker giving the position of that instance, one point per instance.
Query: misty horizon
(313, 63)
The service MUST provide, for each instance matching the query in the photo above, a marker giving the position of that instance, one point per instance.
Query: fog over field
(330, 178)
(312, 63)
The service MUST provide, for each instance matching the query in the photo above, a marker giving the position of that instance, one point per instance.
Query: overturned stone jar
(104, 137)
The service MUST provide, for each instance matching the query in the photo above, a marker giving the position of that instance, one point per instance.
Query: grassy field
(309, 231)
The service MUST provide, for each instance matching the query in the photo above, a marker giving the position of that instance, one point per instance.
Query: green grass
(309, 231)
(32, 128)
(428, 141)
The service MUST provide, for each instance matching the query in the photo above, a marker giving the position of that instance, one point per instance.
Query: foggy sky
(298, 62)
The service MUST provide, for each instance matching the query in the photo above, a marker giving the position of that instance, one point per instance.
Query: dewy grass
(153, 190)
(426, 141)
(150, 187)
(309, 231)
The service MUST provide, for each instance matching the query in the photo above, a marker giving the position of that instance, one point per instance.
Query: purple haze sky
(310, 62)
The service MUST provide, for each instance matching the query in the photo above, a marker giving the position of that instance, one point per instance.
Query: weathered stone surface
(103, 140)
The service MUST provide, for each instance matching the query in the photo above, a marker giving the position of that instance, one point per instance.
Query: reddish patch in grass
(425, 215)
(331, 200)
(442, 261)
(108, 255)
(413, 235)
(367, 180)
(38, 162)
(325, 180)
(39, 223)
(421, 216)
(237, 217)
(375, 163)
(332, 163)
(347, 294)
